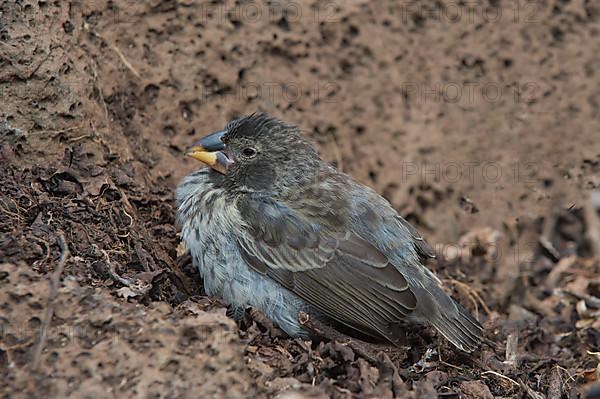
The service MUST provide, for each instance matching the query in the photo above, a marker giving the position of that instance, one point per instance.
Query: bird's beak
(210, 150)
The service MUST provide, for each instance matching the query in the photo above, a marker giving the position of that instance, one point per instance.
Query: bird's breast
(210, 224)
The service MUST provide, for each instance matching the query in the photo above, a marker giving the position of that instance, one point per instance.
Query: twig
(113, 274)
(590, 300)
(501, 376)
(557, 271)
(8, 211)
(592, 229)
(124, 60)
(56, 133)
(471, 293)
(75, 139)
(54, 283)
(445, 363)
(105, 107)
(46, 246)
(545, 239)
(512, 355)
(116, 50)
(555, 384)
(37, 68)
(139, 251)
(24, 76)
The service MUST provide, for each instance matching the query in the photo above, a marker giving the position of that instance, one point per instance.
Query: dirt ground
(478, 121)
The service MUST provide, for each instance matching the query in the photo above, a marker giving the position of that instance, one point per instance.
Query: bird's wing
(423, 248)
(337, 272)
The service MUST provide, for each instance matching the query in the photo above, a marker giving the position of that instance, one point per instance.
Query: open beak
(210, 150)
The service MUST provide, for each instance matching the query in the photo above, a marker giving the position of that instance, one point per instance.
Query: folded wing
(337, 272)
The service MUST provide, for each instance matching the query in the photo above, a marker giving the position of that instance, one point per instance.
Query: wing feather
(337, 272)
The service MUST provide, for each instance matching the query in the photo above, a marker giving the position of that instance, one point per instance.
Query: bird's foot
(369, 351)
(376, 354)
(236, 313)
(263, 321)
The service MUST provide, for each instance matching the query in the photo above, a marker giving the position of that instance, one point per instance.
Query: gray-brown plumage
(272, 226)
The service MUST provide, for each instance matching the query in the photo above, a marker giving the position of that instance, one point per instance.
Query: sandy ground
(479, 122)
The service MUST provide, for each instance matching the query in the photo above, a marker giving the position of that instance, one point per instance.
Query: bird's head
(257, 153)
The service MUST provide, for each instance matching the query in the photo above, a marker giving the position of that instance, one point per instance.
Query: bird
(271, 226)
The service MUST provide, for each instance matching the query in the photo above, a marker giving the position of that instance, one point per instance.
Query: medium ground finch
(272, 226)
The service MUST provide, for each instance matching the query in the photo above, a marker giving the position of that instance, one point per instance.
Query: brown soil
(482, 129)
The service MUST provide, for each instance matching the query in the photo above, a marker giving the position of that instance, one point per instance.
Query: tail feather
(460, 328)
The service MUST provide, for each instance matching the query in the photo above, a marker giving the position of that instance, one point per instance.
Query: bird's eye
(249, 152)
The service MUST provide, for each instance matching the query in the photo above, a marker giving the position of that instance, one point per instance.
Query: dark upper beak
(210, 143)
(209, 150)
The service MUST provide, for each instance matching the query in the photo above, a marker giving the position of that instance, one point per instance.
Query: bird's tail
(459, 327)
